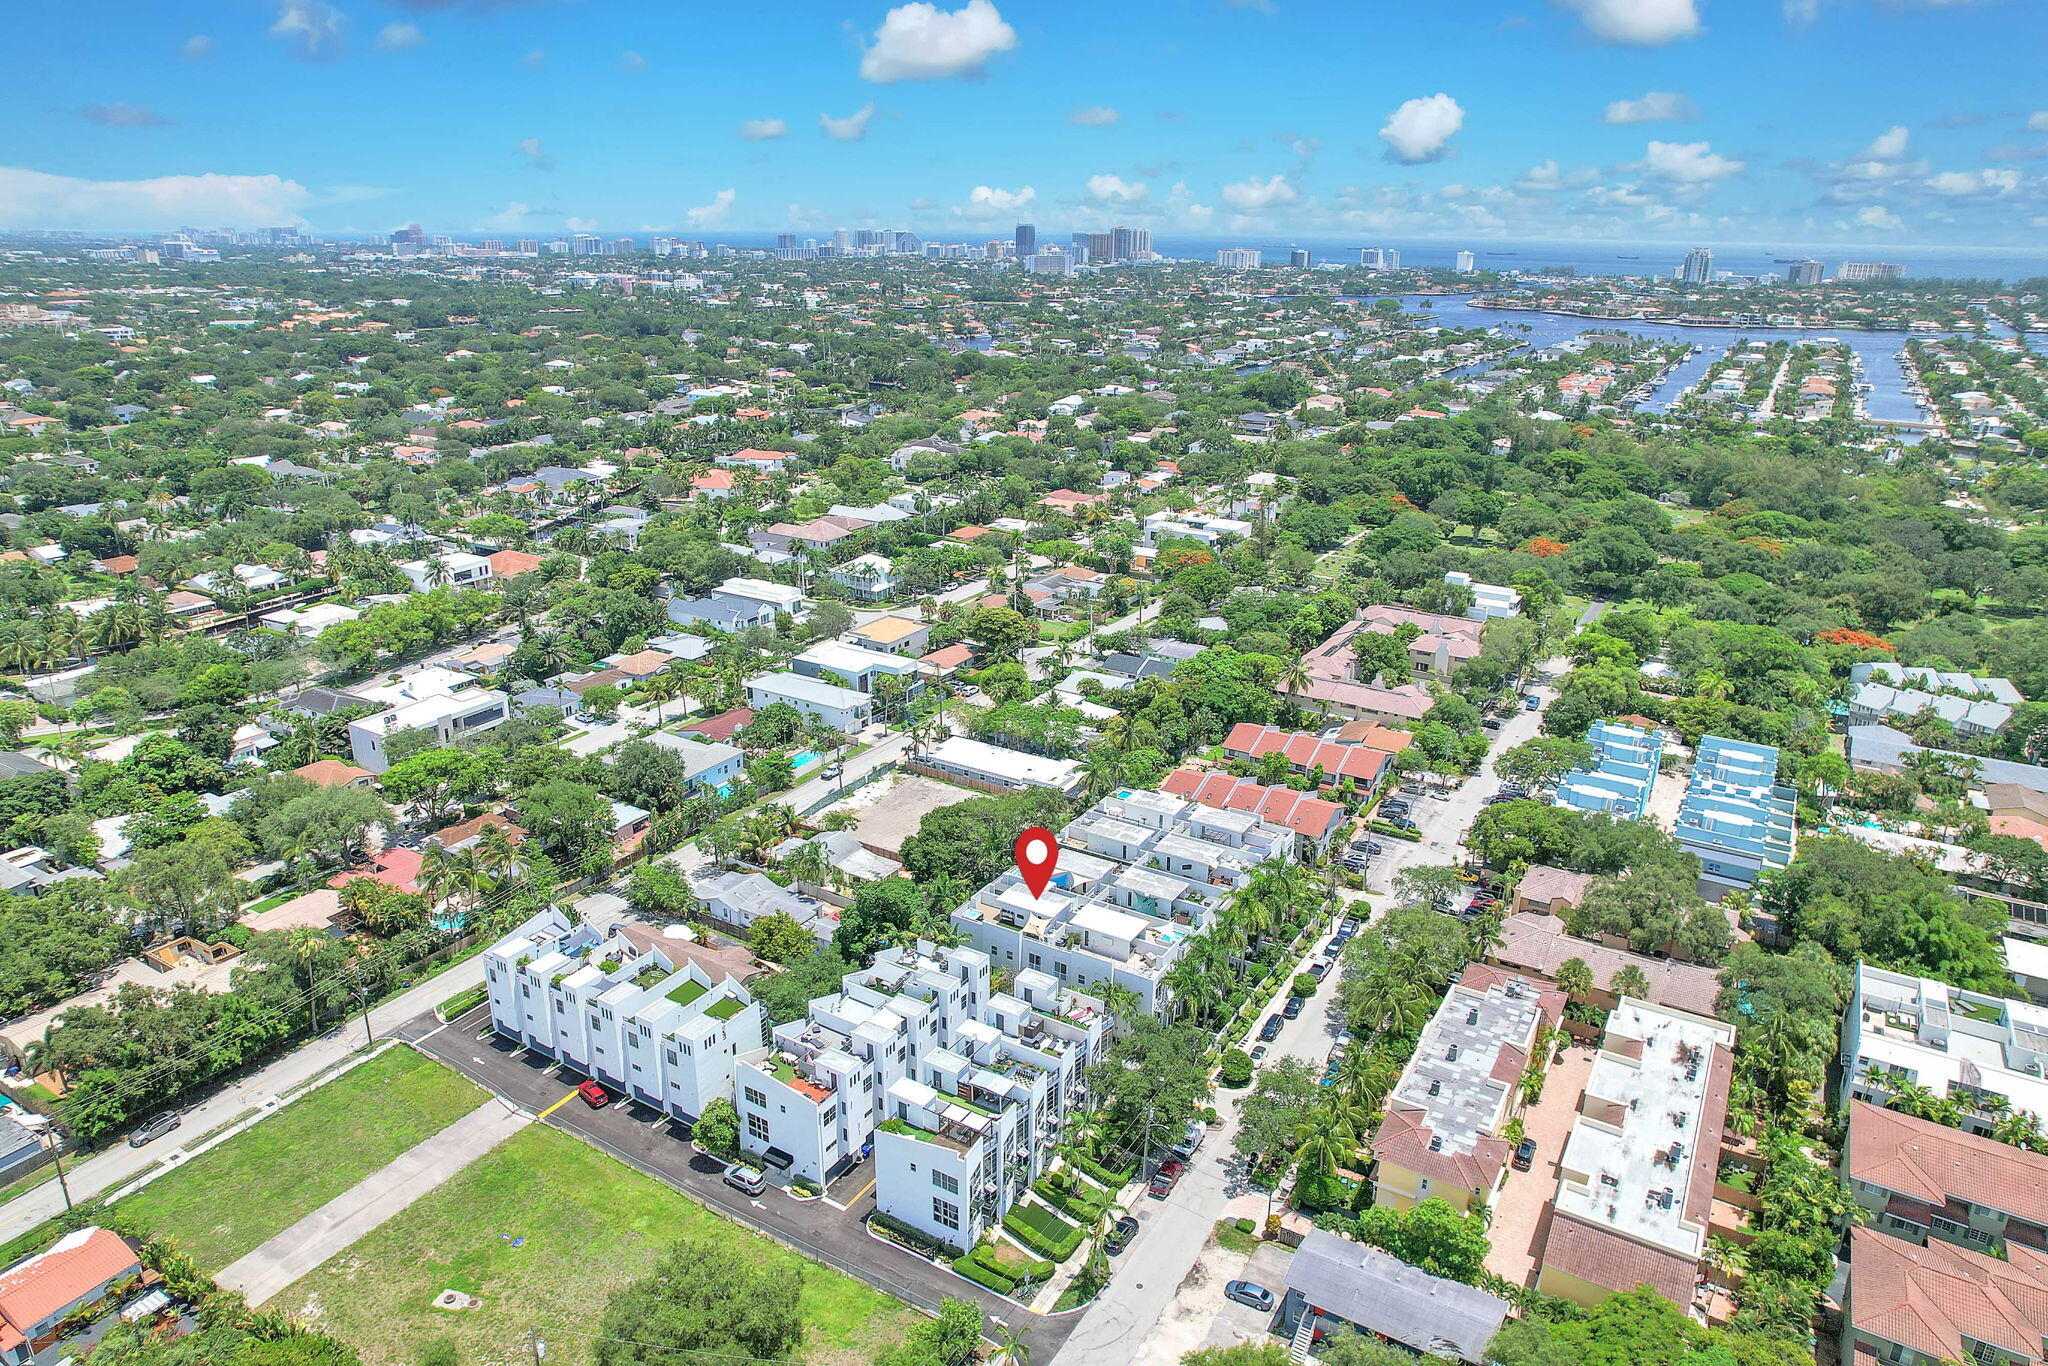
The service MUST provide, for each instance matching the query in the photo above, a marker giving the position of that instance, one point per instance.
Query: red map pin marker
(1037, 856)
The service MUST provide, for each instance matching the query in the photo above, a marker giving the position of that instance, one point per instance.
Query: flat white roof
(977, 757)
(809, 689)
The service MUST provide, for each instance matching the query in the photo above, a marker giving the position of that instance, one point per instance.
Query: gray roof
(322, 701)
(15, 764)
(1886, 747)
(1379, 1292)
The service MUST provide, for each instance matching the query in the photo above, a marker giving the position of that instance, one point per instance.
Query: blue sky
(1865, 121)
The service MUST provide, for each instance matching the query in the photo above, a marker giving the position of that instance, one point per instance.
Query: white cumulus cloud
(1656, 106)
(507, 219)
(535, 154)
(1418, 130)
(990, 201)
(1960, 184)
(314, 28)
(1095, 116)
(921, 42)
(1879, 217)
(196, 48)
(1111, 189)
(36, 199)
(1889, 145)
(632, 61)
(1250, 196)
(400, 37)
(2037, 122)
(761, 130)
(1687, 163)
(852, 128)
(1646, 23)
(712, 215)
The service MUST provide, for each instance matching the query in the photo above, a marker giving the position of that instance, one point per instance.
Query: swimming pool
(802, 759)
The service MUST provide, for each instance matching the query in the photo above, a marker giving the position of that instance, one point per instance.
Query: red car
(595, 1096)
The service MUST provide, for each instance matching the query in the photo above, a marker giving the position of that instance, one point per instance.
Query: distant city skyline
(1680, 121)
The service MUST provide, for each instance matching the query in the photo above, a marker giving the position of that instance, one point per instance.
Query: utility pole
(57, 1153)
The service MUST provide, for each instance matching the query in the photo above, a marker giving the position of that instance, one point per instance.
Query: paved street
(256, 1092)
(646, 1140)
(1120, 1327)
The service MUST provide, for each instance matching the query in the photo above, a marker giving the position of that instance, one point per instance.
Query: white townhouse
(650, 1024)
(1140, 875)
(452, 569)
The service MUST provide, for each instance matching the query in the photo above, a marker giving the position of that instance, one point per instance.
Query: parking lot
(646, 1139)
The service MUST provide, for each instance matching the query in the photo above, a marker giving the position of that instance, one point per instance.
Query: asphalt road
(644, 1139)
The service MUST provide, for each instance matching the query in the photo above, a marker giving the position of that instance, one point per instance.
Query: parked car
(967, 690)
(1258, 1051)
(1159, 1188)
(1270, 1030)
(152, 1130)
(1532, 703)
(1525, 1154)
(1257, 1296)
(1316, 970)
(742, 1177)
(594, 1095)
(1490, 723)
(1292, 1010)
(1120, 1235)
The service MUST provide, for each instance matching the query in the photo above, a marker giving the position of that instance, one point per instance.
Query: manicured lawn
(229, 1199)
(589, 1225)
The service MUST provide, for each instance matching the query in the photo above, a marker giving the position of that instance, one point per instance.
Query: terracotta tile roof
(332, 773)
(1931, 1162)
(721, 726)
(1281, 806)
(1606, 1258)
(1930, 1298)
(1544, 884)
(1536, 943)
(719, 963)
(1404, 1139)
(949, 658)
(1304, 752)
(507, 564)
(393, 867)
(462, 832)
(72, 1268)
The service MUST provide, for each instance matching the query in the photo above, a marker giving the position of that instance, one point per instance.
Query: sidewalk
(261, 1090)
(336, 1225)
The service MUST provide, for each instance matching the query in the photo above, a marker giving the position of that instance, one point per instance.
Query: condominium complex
(1442, 1135)
(1619, 779)
(1968, 1047)
(1140, 874)
(1635, 1191)
(1951, 1263)
(1735, 818)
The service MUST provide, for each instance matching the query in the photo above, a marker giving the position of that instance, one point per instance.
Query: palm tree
(453, 877)
(2022, 1129)
(1011, 1346)
(1575, 979)
(1329, 1138)
(1628, 980)
(497, 855)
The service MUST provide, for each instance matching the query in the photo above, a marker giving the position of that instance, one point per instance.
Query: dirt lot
(891, 809)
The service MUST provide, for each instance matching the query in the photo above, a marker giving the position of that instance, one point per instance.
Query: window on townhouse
(945, 1212)
(1032, 959)
(758, 1128)
(670, 1055)
(755, 1097)
(946, 1182)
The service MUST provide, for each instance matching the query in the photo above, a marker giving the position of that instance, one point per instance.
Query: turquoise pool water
(802, 759)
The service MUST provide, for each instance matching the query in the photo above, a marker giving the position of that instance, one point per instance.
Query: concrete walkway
(377, 1197)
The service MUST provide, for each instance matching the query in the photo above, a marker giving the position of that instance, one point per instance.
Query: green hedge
(984, 1276)
(915, 1239)
(1038, 1270)
(1044, 1232)
(1116, 1181)
(1075, 1202)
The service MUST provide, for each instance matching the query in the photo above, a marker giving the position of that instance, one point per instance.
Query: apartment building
(1316, 823)
(1735, 818)
(1140, 874)
(647, 1022)
(1363, 765)
(446, 702)
(1885, 691)
(1623, 771)
(1960, 1044)
(1444, 642)
(1442, 1132)
(1635, 1191)
(1951, 1262)
(451, 569)
(845, 709)
(858, 668)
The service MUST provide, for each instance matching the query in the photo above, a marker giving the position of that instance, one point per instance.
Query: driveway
(646, 1140)
(1521, 1216)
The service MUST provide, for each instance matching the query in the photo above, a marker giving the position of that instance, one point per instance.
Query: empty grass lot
(590, 1225)
(259, 1183)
